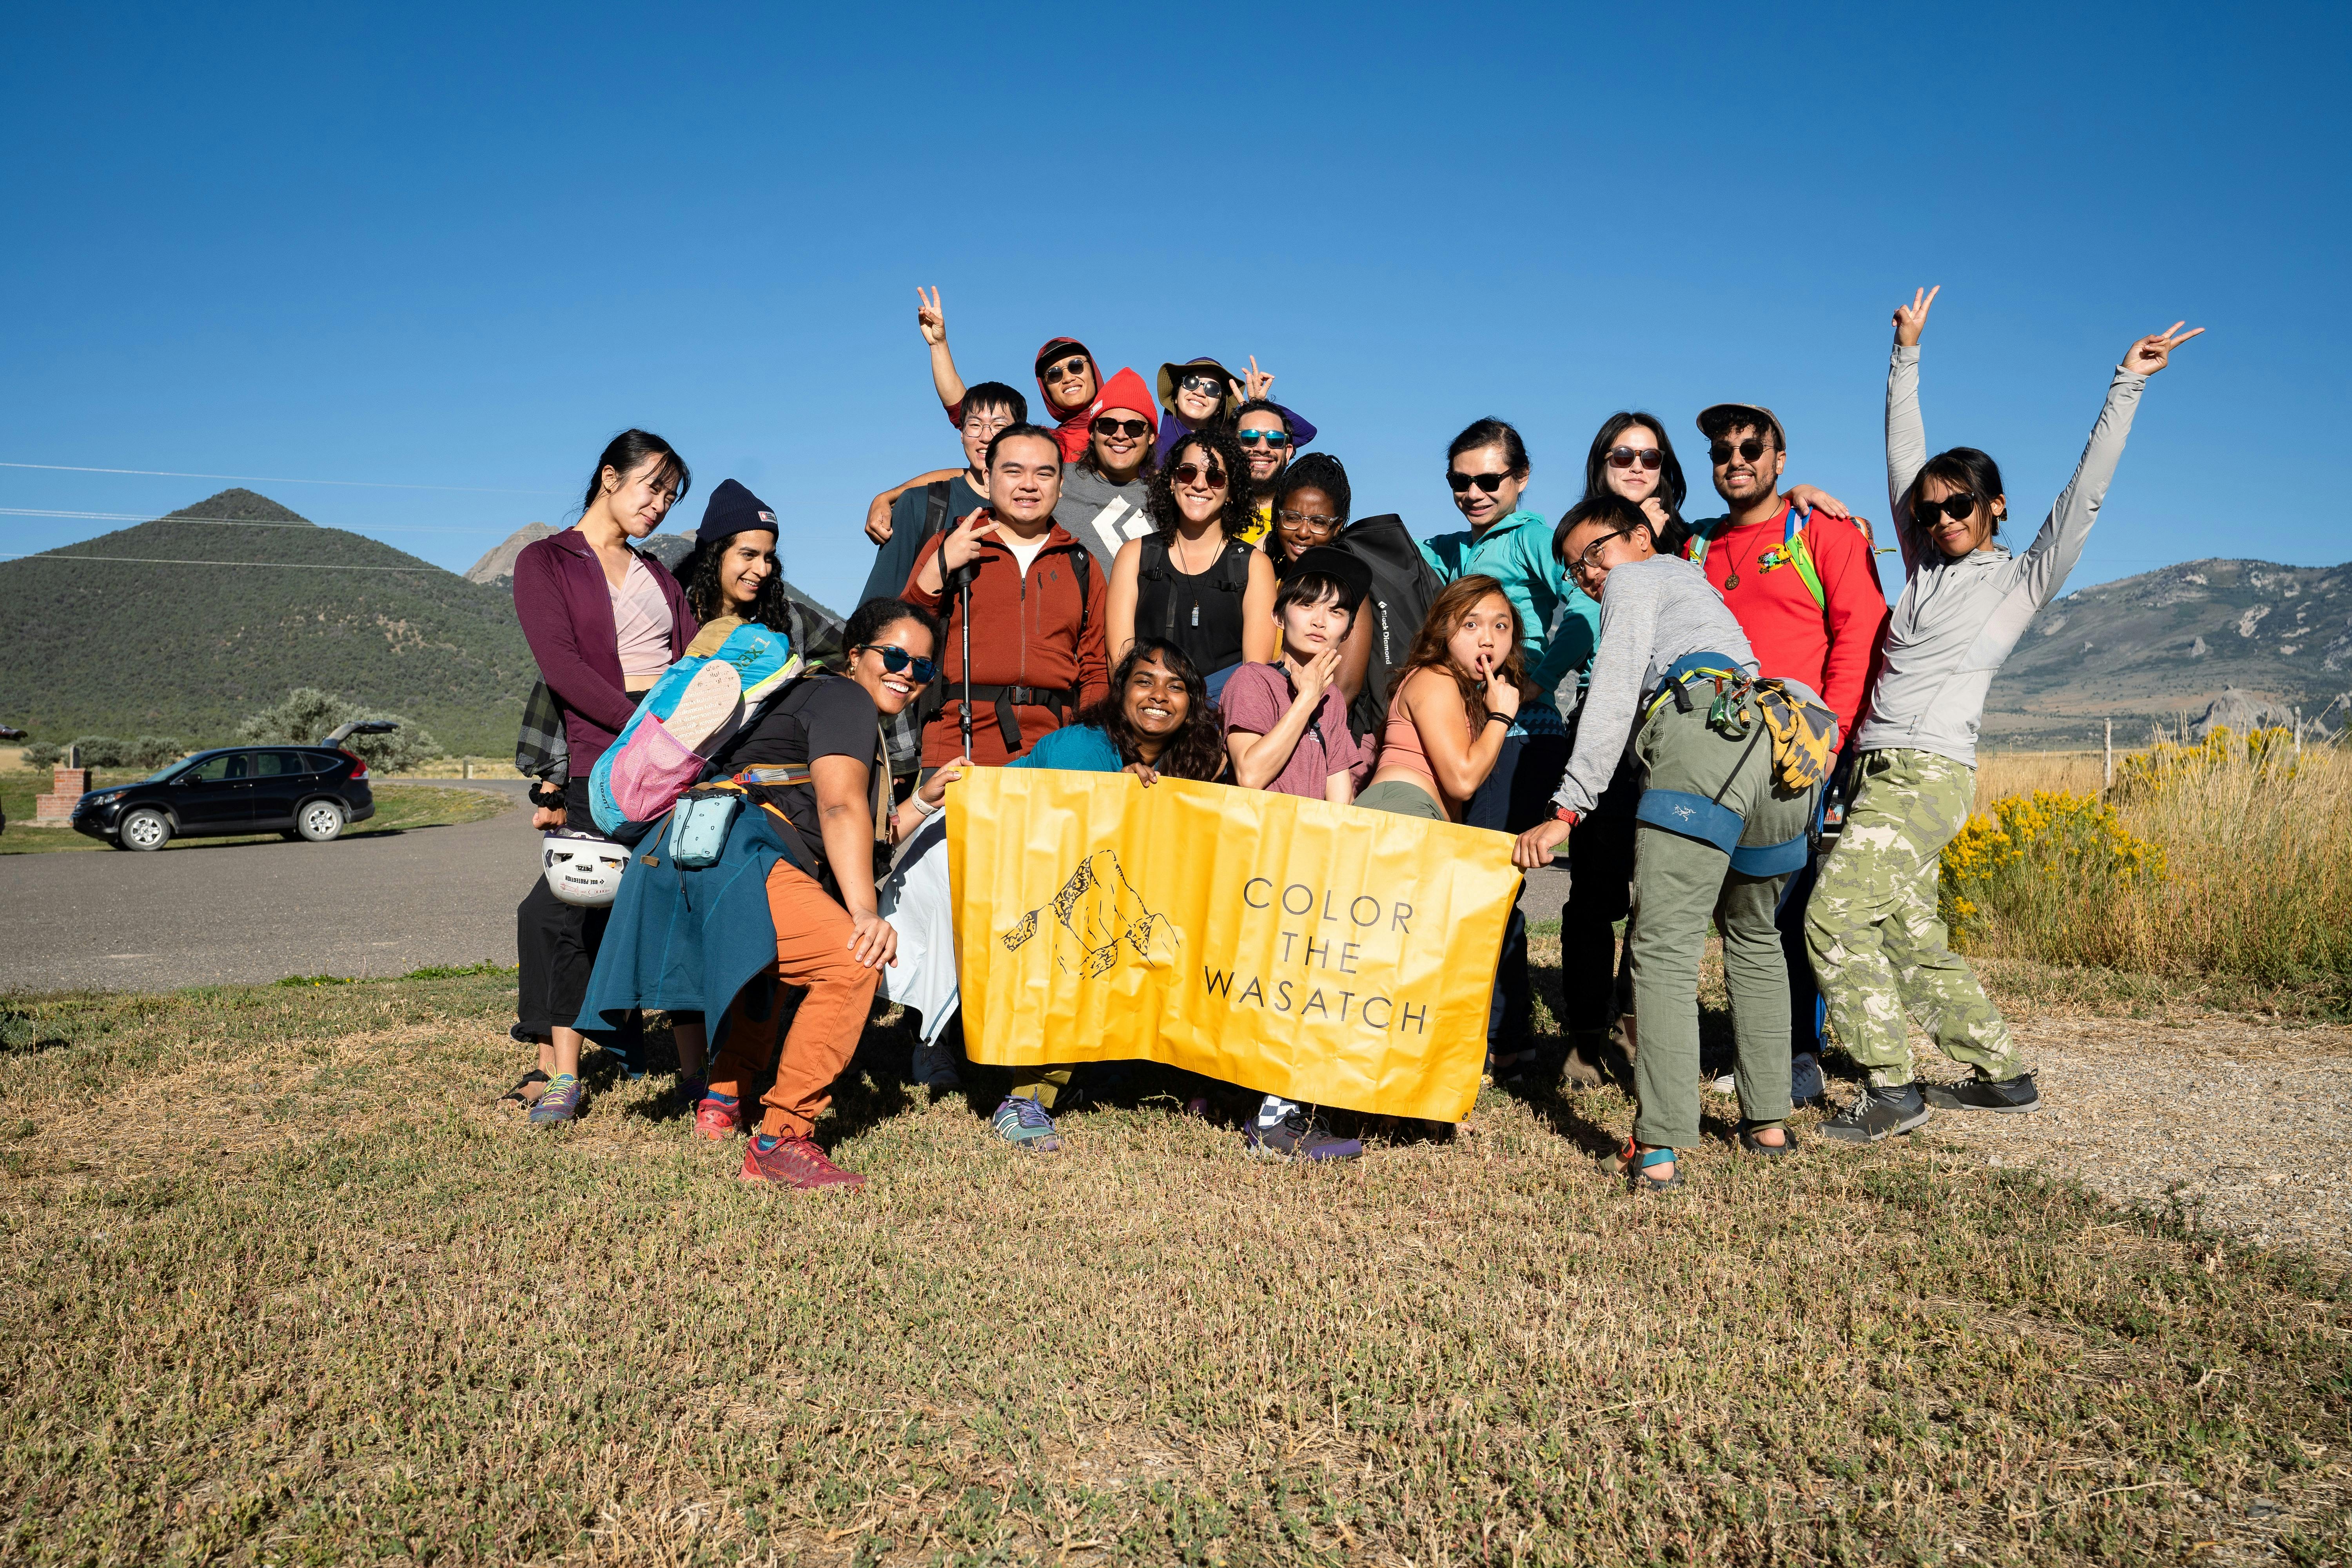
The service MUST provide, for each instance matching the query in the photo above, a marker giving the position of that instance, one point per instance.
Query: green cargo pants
(1878, 948)
(1682, 880)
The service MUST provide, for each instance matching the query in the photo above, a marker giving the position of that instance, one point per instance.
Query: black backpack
(1404, 585)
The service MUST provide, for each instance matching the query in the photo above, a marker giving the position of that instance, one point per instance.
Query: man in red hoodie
(1804, 587)
(1036, 607)
(1067, 378)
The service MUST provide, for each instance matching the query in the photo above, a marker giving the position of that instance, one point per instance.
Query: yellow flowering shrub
(2035, 854)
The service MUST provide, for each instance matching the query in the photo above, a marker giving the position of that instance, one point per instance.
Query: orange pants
(813, 936)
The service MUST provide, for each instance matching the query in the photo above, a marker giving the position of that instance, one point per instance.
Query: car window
(227, 765)
(280, 765)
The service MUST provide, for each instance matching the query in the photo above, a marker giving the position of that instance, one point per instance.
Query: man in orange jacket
(1036, 605)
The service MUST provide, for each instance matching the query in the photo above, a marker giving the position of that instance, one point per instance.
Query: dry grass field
(282, 1287)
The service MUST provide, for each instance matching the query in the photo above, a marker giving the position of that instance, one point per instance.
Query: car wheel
(319, 821)
(145, 828)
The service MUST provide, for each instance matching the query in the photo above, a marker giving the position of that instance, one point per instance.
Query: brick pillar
(66, 788)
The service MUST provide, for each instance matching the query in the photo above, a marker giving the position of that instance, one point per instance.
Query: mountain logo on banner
(1096, 914)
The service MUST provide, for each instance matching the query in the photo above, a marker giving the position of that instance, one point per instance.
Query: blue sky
(460, 247)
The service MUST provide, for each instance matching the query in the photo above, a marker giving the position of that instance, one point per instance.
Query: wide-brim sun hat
(1172, 373)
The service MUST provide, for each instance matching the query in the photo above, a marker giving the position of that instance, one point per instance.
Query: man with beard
(1105, 495)
(1036, 608)
(1263, 430)
(1804, 588)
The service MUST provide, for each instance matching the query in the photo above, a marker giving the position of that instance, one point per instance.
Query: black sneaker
(1299, 1136)
(1876, 1113)
(2013, 1096)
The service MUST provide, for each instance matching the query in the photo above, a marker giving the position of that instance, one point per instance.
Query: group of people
(1157, 580)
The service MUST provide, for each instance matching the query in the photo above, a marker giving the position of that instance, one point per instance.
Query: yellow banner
(1326, 953)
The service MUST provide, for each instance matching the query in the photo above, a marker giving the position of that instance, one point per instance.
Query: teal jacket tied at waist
(687, 940)
(1515, 550)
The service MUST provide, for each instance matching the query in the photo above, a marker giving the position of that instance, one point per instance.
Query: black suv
(303, 791)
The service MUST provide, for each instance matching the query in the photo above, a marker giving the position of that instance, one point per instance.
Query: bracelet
(923, 807)
(1498, 719)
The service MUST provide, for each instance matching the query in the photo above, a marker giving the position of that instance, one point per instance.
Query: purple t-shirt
(1255, 697)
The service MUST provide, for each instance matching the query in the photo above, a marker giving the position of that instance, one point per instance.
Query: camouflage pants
(1877, 947)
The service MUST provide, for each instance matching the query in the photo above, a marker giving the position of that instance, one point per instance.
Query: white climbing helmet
(583, 868)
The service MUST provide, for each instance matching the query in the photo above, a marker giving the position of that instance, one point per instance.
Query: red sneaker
(717, 1120)
(795, 1162)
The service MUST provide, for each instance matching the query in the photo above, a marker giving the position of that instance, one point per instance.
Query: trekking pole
(963, 626)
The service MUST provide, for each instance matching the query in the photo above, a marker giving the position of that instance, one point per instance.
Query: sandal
(1649, 1157)
(1748, 1130)
(517, 1097)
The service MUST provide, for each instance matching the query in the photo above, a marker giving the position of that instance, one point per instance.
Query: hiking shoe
(2013, 1096)
(938, 1067)
(718, 1119)
(561, 1102)
(1022, 1122)
(1876, 1113)
(1299, 1136)
(795, 1163)
(1806, 1086)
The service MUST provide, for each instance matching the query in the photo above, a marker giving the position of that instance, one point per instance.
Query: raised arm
(2044, 568)
(944, 379)
(1906, 435)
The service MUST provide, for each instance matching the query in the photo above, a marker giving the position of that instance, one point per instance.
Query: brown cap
(1744, 414)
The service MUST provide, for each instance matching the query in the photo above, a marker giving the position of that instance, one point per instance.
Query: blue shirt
(1515, 550)
(1077, 749)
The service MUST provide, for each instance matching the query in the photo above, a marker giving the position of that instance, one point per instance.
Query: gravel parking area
(2247, 1126)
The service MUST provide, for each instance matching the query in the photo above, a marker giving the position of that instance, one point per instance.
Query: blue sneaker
(560, 1103)
(1025, 1124)
(1805, 1085)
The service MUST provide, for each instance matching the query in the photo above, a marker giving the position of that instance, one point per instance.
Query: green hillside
(127, 648)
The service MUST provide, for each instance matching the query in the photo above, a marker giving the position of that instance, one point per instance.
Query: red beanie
(1127, 390)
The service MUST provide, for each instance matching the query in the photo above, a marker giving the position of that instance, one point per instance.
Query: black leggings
(556, 943)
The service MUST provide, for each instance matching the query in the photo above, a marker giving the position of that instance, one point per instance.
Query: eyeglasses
(1206, 384)
(1198, 474)
(1269, 438)
(1461, 482)
(986, 427)
(1957, 506)
(899, 661)
(1312, 519)
(1589, 562)
(1751, 449)
(1107, 425)
(1649, 457)
(1069, 367)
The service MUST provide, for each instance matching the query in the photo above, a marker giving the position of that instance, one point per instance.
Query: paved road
(205, 914)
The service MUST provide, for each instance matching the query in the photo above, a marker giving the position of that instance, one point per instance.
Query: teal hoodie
(1515, 550)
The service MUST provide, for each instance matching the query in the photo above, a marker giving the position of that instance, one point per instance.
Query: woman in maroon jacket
(603, 622)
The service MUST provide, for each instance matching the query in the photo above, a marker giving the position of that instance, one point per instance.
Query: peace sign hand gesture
(1256, 384)
(929, 317)
(2153, 351)
(962, 541)
(1909, 319)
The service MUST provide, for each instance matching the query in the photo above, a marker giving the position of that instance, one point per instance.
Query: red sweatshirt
(1075, 429)
(1830, 648)
(1026, 630)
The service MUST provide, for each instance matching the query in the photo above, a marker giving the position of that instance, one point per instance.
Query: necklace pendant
(1196, 613)
(1732, 580)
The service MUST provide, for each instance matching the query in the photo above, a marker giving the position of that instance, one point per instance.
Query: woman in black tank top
(1193, 581)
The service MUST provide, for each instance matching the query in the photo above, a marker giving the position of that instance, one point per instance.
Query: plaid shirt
(541, 749)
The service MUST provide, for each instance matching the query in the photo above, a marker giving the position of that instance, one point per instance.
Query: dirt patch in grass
(281, 1285)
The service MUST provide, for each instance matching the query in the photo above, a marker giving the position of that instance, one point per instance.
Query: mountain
(496, 564)
(168, 643)
(2166, 644)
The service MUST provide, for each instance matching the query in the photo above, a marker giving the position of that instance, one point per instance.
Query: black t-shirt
(824, 716)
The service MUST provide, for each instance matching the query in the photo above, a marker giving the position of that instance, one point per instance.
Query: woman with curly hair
(1194, 580)
(733, 576)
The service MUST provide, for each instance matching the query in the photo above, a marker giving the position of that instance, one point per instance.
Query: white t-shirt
(1024, 553)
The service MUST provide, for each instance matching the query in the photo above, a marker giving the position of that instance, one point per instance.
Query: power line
(154, 561)
(274, 479)
(228, 522)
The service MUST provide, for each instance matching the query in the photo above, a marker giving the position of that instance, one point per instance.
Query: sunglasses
(1957, 507)
(1071, 367)
(1107, 425)
(1197, 474)
(1649, 457)
(1266, 438)
(1311, 518)
(1461, 482)
(1751, 449)
(899, 661)
(1207, 385)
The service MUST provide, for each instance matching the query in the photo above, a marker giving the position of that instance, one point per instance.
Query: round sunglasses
(1649, 457)
(1055, 372)
(1198, 474)
(1720, 452)
(897, 661)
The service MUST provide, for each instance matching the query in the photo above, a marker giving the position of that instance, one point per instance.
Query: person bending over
(1286, 732)
(1877, 947)
(1668, 650)
(1157, 720)
(1192, 580)
(817, 755)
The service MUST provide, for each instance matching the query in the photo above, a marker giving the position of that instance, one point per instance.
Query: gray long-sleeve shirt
(1958, 621)
(1653, 613)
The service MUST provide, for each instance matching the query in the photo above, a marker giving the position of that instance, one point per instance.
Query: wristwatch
(1562, 814)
